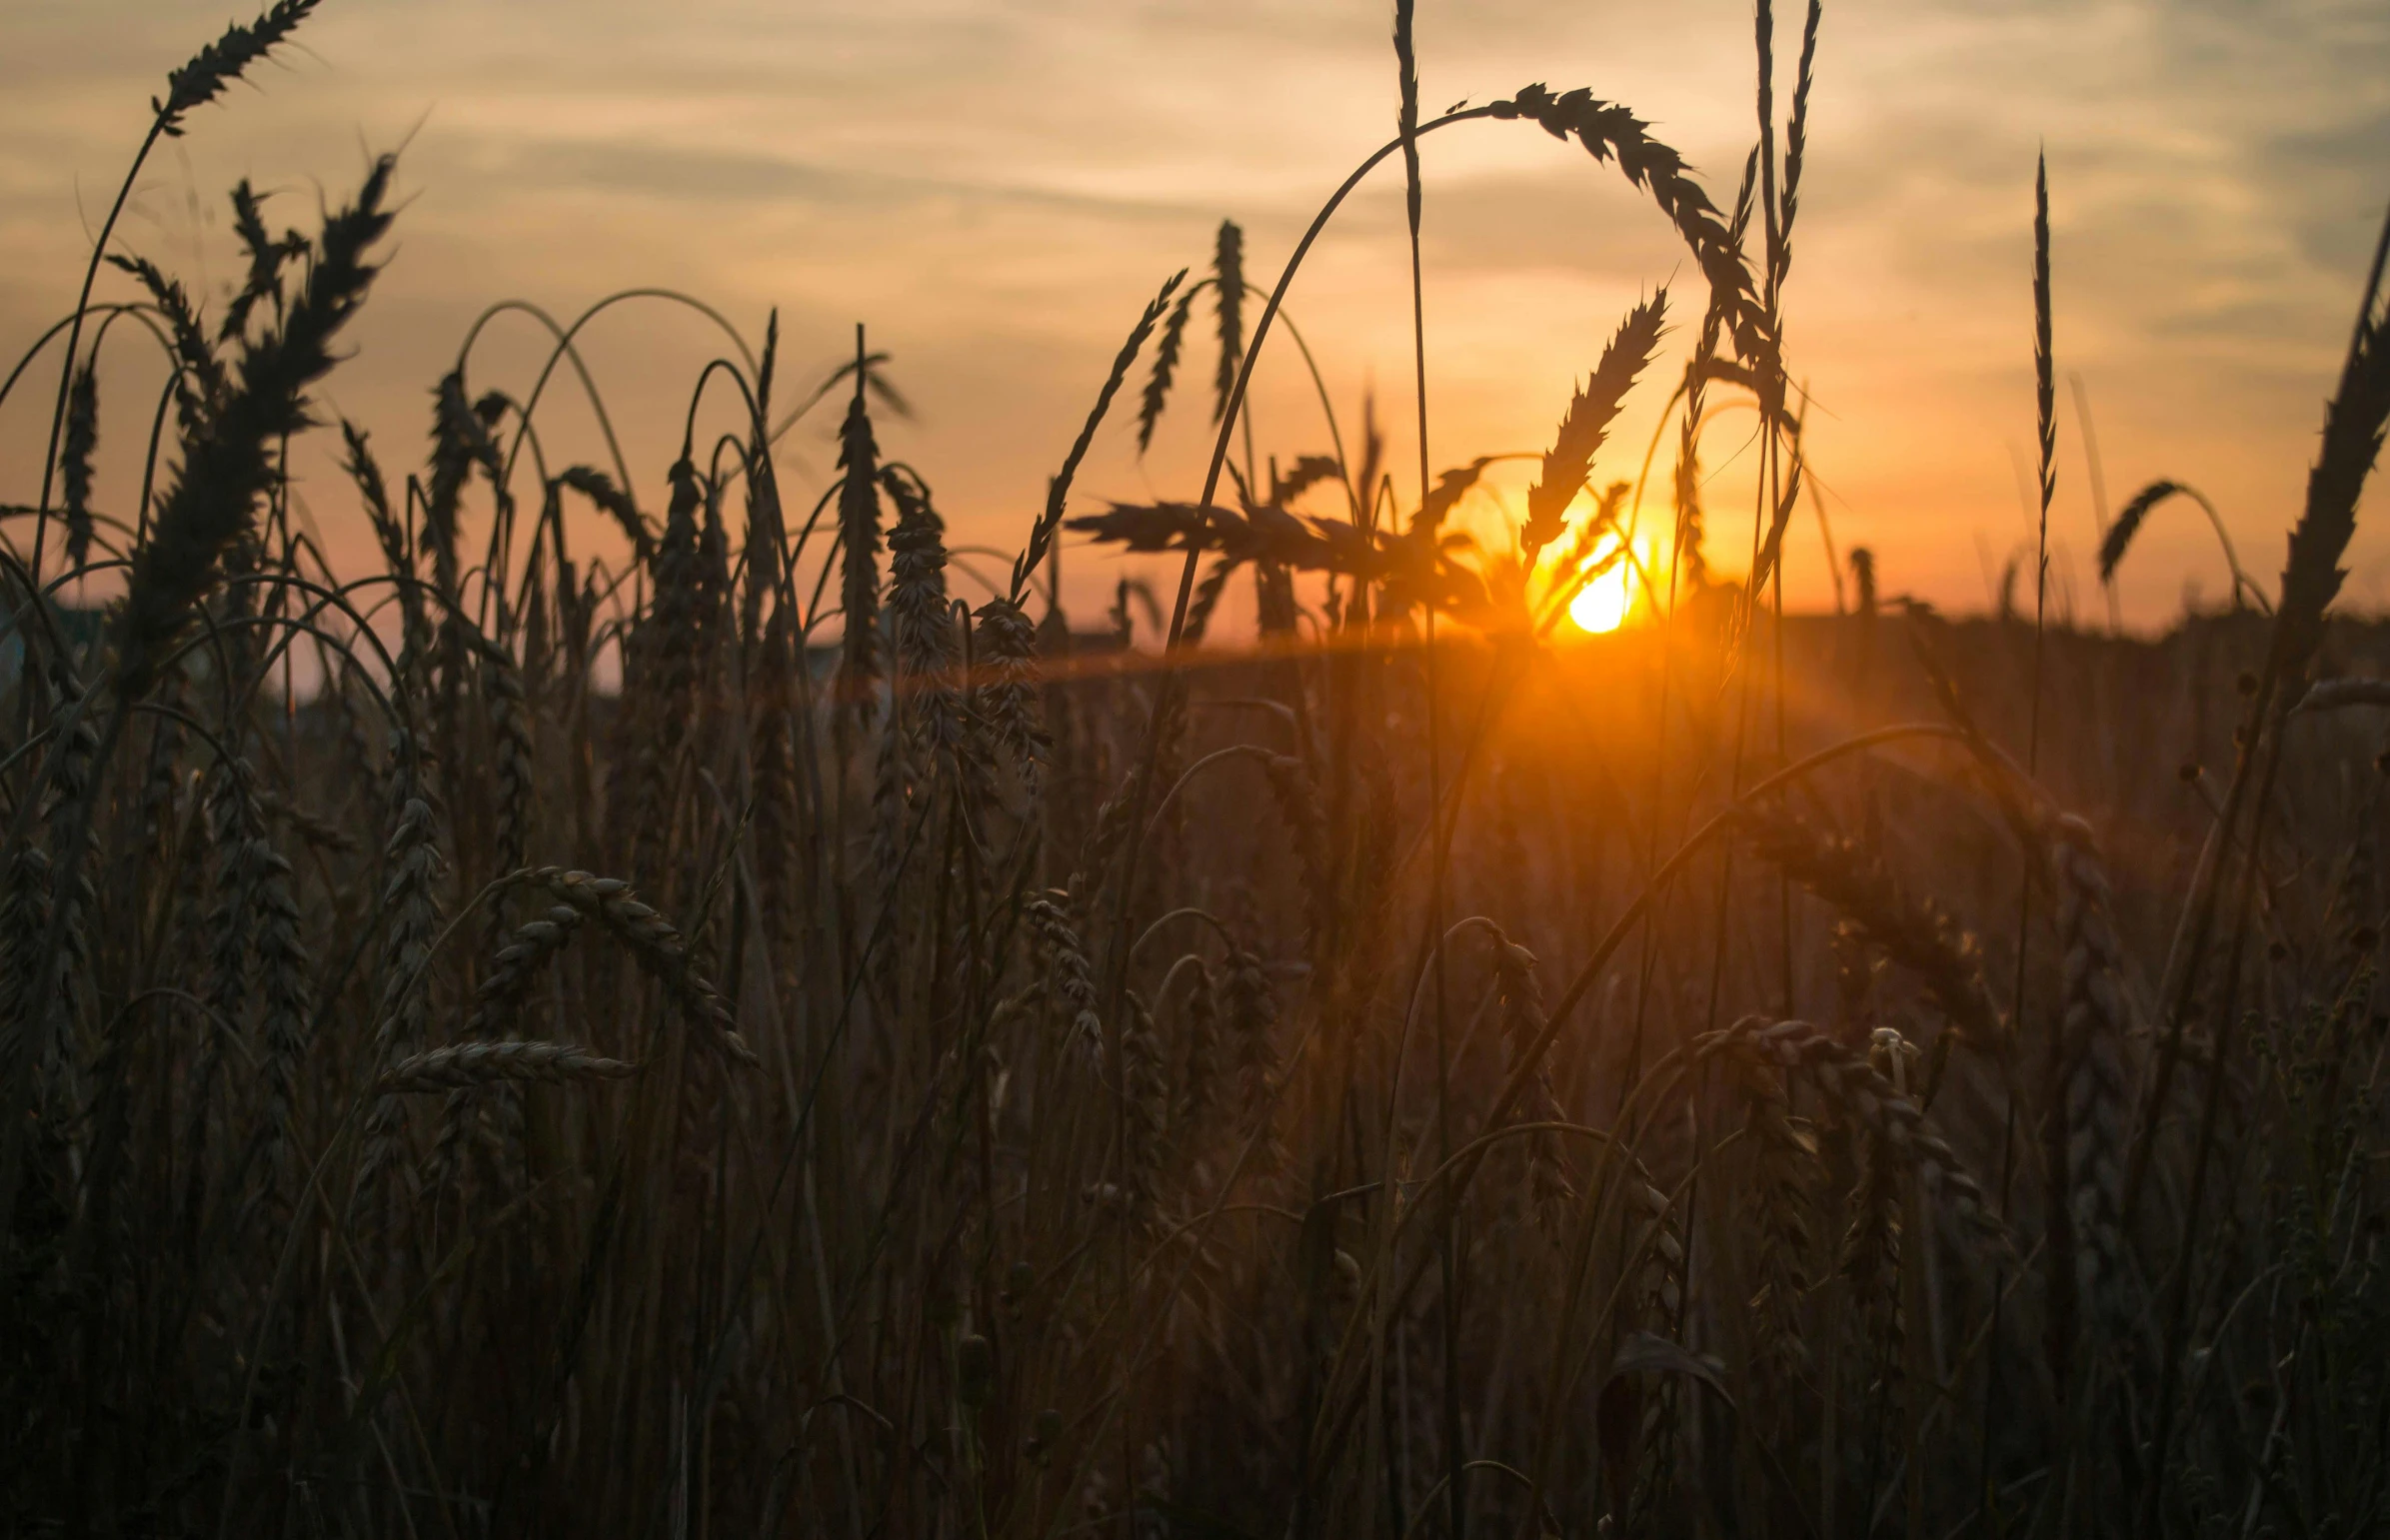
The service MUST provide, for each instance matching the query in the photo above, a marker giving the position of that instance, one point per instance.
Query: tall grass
(902, 1064)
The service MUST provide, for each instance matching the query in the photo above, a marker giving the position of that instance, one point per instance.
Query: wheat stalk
(200, 382)
(1057, 491)
(1913, 930)
(1607, 130)
(225, 470)
(653, 944)
(1586, 424)
(614, 503)
(1165, 363)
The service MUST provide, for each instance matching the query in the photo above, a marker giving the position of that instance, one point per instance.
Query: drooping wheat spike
(1591, 410)
(470, 1065)
(204, 76)
(224, 470)
(1005, 684)
(1069, 977)
(1166, 365)
(1227, 289)
(199, 375)
(2129, 520)
(1913, 930)
(1057, 491)
(1549, 1189)
(2095, 1024)
(656, 946)
(1310, 470)
(1864, 1093)
(2128, 524)
(75, 456)
(515, 966)
(1607, 129)
(497, 1002)
(613, 502)
(859, 531)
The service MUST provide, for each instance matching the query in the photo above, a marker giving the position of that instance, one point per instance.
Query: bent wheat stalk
(465, 1066)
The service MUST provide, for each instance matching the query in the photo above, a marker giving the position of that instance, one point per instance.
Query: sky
(995, 189)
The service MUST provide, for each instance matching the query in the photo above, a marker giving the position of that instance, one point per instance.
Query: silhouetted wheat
(1059, 1099)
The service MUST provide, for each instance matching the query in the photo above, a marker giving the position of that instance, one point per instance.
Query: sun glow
(1607, 598)
(1601, 605)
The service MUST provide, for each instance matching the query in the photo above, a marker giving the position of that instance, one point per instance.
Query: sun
(1601, 605)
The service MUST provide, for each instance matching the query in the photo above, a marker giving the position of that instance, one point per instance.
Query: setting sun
(1607, 573)
(1601, 605)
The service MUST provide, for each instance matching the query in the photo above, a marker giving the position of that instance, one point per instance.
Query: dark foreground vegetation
(896, 1066)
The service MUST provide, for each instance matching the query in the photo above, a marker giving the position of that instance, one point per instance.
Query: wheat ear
(467, 1065)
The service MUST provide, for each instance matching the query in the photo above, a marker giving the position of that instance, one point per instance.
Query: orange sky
(995, 189)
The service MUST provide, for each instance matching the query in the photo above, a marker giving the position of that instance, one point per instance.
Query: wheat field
(719, 1020)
